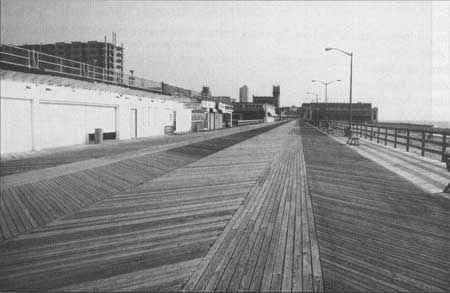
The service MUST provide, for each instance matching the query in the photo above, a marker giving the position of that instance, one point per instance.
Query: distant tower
(205, 92)
(276, 94)
(243, 94)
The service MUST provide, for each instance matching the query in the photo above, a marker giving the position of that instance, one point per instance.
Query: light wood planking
(257, 250)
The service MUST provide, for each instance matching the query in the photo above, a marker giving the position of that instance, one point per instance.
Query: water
(440, 124)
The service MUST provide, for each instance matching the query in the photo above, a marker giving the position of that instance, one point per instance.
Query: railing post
(444, 146)
(395, 138)
(378, 134)
(371, 133)
(365, 134)
(385, 136)
(407, 140)
(29, 59)
(423, 144)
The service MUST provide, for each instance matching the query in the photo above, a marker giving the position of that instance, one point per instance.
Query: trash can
(168, 129)
(98, 136)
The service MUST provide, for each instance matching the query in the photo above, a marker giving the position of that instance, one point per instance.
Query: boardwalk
(270, 244)
(376, 230)
(64, 189)
(154, 236)
(20, 163)
(286, 209)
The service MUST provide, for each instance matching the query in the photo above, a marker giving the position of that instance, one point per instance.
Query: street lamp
(317, 106)
(326, 96)
(351, 72)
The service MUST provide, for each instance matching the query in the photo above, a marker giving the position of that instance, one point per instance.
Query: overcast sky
(401, 49)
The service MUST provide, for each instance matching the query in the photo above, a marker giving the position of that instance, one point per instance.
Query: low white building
(43, 111)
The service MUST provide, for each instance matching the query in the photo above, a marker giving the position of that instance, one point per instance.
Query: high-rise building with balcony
(103, 54)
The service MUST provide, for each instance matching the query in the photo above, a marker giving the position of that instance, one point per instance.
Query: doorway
(133, 123)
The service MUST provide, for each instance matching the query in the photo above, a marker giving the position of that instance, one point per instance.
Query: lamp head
(328, 49)
(338, 80)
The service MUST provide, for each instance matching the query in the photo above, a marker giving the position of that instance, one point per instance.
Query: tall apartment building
(243, 94)
(103, 54)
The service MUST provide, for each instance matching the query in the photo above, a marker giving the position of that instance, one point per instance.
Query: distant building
(361, 112)
(103, 54)
(205, 93)
(274, 99)
(290, 111)
(243, 94)
(254, 111)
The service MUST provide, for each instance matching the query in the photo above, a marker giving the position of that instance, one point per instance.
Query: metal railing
(17, 57)
(430, 141)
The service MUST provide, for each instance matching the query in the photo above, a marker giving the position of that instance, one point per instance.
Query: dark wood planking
(376, 231)
(50, 199)
(170, 220)
(61, 156)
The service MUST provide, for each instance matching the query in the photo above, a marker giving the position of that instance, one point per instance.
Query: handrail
(30, 59)
(429, 140)
(17, 57)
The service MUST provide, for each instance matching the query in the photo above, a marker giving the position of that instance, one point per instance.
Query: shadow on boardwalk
(376, 230)
(250, 217)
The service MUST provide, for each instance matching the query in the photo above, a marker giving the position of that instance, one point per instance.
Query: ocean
(440, 124)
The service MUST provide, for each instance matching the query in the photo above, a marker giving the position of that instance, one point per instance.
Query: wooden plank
(13, 212)
(265, 229)
(288, 266)
(262, 272)
(277, 273)
(247, 241)
(381, 224)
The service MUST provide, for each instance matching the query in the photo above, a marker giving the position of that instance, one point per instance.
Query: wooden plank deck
(25, 206)
(428, 174)
(153, 237)
(243, 215)
(269, 245)
(376, 230)
(25, 162)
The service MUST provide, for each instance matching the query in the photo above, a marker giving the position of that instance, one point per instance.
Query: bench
(447, 162)
(353, 140)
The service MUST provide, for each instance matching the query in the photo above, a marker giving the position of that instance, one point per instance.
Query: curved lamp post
(351, 73)
(326, 95)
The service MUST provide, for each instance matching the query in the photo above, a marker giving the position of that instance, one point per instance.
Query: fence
(424, 140)
(17, 57)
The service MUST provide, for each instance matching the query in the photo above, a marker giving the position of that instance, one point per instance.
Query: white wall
(37, 116)
(15, 132)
